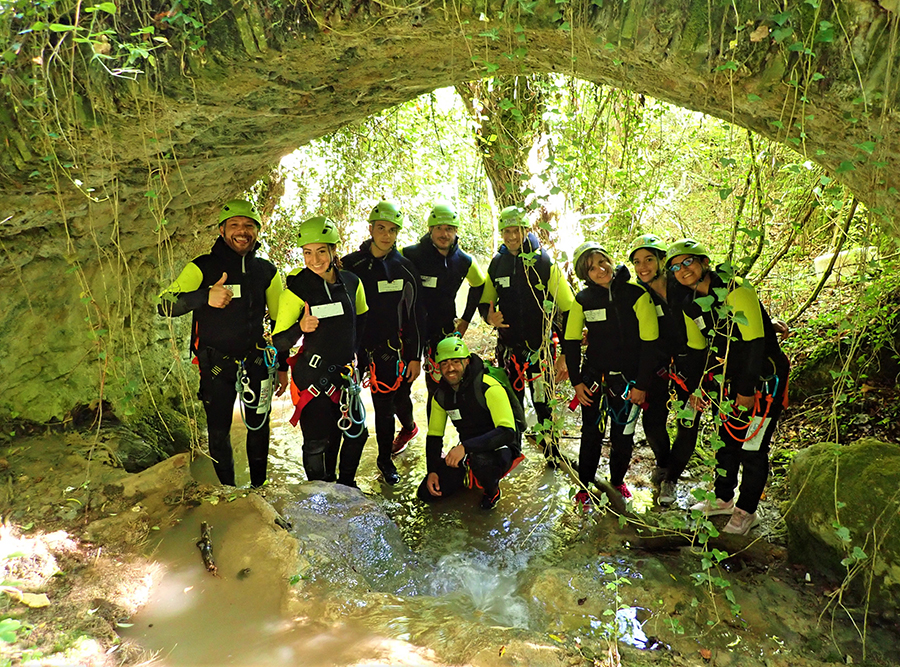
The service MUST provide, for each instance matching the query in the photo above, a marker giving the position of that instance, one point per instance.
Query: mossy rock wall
(110, 184)
(845, 498)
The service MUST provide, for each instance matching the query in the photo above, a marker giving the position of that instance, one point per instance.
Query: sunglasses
(676, 267)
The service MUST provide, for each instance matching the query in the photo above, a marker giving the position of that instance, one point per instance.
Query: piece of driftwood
(741, 547)
(206, 549)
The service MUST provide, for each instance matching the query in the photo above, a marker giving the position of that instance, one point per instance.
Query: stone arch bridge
(91, 165)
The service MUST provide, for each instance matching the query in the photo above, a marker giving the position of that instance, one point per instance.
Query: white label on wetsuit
(659, 311)
(390, 285)
(503, 281)
(700, 323)
(758, 426)
(454, 415)
(327, 310)
(632, 419)
(429, 281)
(598, 315)
(265, 393)
(235, 290)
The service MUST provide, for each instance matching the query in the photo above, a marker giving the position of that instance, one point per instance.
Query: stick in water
(206, 550)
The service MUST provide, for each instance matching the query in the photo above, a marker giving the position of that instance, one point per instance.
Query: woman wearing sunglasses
(745, 378)
(682, 348)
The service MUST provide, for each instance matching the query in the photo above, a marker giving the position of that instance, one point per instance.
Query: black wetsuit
(486, 428)
(224, 340)
(392, 339)
(320, 372)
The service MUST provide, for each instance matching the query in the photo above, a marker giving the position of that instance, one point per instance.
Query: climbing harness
(770, 397)
(379, 387)
(248, 398)
(353, 412)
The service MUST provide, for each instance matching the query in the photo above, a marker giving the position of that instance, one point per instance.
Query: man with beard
(443, 266)
(228, 292)
(392, 340)
(526, 298)
(479, 407)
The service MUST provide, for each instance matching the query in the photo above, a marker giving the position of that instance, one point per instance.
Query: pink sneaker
(403, 437)
(623, 491)
(715, 507)
(741, 522)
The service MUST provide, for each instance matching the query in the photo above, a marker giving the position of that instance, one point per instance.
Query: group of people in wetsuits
(680, 327)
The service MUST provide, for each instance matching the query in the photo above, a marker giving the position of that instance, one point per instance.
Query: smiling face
(443, 236)
(600, 270)
(691, 274)
(384, 236)
(318, 257)
(646, 265)
(453, 370)
(513, 237)
(239, 234)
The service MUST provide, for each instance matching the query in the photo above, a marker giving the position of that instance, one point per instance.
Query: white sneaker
(741, 522)
(715, 507)
(667, 492)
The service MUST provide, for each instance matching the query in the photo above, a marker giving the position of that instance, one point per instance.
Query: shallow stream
(387, 580)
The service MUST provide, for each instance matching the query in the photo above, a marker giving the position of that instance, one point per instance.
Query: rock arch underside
(108, 184)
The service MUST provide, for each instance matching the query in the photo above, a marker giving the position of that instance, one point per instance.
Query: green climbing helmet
(685, 247)
(443, 214)
(318, 230)
(387, 211)
(452, 347)
(512, 216)
(239, 207)
(649, 242)
(584, 247)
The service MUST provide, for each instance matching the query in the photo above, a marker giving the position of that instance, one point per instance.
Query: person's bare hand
(219, 295)
(308, 323)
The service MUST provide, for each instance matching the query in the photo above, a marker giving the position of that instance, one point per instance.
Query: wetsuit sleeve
(571, 344)
(488, 296)
(434, 441)
(747, 311)
(361, 306)
(559, 289)
(475, 277)
(648, 330)
(504, 431)
(184, 294)
(287, 327)
(414, 324)
(689, 364)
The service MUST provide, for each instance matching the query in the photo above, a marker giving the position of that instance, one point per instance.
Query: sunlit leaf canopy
(600, 163)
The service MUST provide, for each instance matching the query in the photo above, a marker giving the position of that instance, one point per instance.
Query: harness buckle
(314, 361)
(313, 390)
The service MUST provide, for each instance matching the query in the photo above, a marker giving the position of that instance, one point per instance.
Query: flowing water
(387, 580)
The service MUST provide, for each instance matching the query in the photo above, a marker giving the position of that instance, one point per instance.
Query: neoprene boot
(222, 457)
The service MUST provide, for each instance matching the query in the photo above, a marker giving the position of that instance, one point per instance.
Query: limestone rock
(844, 516)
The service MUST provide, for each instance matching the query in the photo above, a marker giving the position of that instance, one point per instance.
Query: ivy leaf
(867, 146)
(62, 27)
(781, 34)
(705, 303)
(724, 192)
(782, 18)
(844, 166)
(752, 97)
(108, 7)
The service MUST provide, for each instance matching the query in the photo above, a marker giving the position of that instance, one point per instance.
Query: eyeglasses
(676, 267)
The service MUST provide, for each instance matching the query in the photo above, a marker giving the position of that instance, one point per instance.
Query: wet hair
(583, 265)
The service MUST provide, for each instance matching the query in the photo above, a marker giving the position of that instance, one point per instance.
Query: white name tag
(503, 281)
(235, 290)
(659, 311)
(700, 323)
(429, 281)
(598, 315)
(327, 310)
(757, 429)
(390, 285)
(454, 415)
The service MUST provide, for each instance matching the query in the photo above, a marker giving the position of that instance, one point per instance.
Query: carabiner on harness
(353, 412)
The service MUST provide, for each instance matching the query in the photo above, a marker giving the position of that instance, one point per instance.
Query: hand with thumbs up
(308, 323)
(495, 318)
(219, 295)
